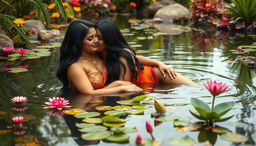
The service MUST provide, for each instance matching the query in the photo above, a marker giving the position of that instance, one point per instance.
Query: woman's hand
(166, 69)
(131, 88)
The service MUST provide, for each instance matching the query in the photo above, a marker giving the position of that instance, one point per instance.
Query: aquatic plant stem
(213, 100)
(153, 138)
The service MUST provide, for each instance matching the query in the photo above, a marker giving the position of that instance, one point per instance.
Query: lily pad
(138, 98)
(142, 38)
(181, 123)
(135, 112)
(220, 130)
(167, 118)
(234, 137)
(56, 44)
(18, 70)
(92, 120)
(120, 130)
(140, 107)
(87, 114)
(121, 107)
(96, 135)
(93, 129)
(34, 41)
(119, 138)
(136, 46)
(73, 111)
(128, 34)
(125, 102)
(116, 113)
(113, 124)
(184, 141)
(103, 108)
(84, 125)
(239, 124)
(112, 119)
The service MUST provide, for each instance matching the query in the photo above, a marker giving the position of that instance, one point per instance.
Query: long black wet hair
(71, 47)
(117, 47)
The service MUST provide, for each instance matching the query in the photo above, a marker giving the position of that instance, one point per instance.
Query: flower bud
(149, 127)
(138, 140)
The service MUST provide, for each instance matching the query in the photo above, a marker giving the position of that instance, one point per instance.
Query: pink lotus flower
(216, 88)
(19, 99)
(239, 49)
(57, 102)
(22, 51)
(18, 119)
(149, 127)
(138, 140)
(8, 49)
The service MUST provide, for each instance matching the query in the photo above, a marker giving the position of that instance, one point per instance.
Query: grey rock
(172, 12)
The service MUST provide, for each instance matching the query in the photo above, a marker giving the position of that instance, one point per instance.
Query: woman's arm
(162, 67)
(79, 80)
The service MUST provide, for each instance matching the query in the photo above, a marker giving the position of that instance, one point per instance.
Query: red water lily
(57, 102)
(216, 88)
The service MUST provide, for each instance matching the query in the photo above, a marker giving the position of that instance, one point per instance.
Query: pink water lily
(138, 140)
(18, 119)
(239, 49)
(57, 102)
(19, 99)
(8, 49)
(216, 88)
(22, 51)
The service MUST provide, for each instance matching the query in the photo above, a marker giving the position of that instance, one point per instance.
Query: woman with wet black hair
(122, 62)
(81, 66)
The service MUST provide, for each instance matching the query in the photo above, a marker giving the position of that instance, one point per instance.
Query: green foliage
(214, 114)
(243, 10)
(7, 23)
(121, 4)
(11, 9)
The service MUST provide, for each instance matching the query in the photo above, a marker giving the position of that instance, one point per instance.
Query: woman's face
(102, 47)
(91, 41)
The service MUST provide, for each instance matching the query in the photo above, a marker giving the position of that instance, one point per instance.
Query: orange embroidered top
(98, 79)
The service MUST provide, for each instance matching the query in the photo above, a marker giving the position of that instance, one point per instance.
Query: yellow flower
(51, 6)
(56, 15)
(65, 4)
(153, 1)
(19, 22)
(77, 9)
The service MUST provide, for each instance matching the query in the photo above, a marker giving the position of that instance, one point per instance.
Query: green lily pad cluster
(211, 115)
(109, 126)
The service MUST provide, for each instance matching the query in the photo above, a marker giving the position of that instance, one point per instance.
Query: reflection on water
(198, 54)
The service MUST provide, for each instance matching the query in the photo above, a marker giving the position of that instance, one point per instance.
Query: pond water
(197, 54)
